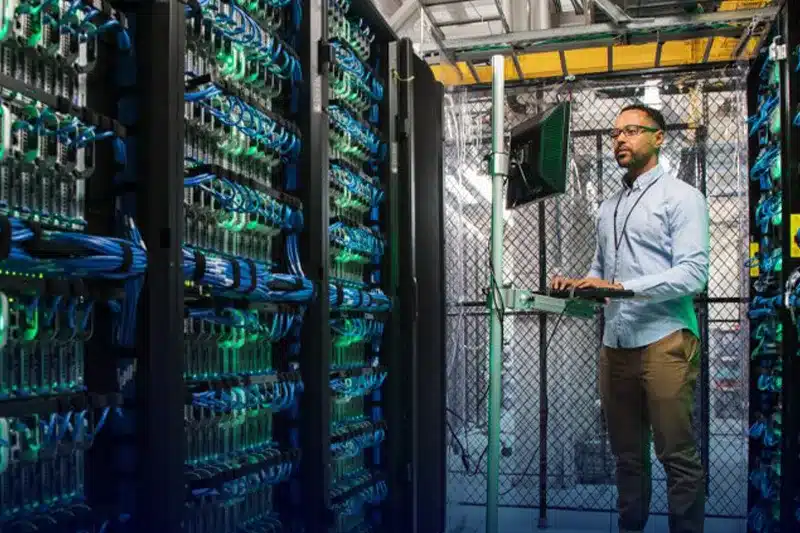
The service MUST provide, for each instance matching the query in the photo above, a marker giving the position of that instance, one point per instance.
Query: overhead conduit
(592, 60)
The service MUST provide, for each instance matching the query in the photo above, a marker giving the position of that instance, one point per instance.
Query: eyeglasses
(631, 131)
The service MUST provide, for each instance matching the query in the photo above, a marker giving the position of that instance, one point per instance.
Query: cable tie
(127, 258)
(5, 237)
(200, 267)
(237, 273)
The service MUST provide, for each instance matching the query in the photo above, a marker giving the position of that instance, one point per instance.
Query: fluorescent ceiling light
(652, 94)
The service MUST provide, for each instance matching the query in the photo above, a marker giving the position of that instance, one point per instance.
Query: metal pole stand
(498, 170)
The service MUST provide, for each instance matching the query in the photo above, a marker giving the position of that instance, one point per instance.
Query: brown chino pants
(654, 386)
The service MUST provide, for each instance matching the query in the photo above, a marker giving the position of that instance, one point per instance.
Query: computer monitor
(537, 167)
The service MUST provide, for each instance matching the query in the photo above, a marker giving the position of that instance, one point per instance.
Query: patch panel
(245, 291)
(67, 278)
(359, 309)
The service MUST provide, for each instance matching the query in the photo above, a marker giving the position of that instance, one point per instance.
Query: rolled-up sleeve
(690, 250)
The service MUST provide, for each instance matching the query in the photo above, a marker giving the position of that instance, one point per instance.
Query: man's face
(640, 140)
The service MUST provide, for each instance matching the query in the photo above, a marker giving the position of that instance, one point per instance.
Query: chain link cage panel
(706, 144)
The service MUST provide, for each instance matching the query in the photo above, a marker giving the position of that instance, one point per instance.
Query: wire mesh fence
(550, 398)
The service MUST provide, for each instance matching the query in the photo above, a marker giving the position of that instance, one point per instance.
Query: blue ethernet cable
(48, 253)
(763, 114)
(358, 186)
(70, 22)
(358, 132)
(260, 44)
(243, 277)
(351, 298)
(769, 211)
(359, 385)
(347, 60)
(761, 170)
(237, 198)
(281, 326)
(356, 239)
(255, 123)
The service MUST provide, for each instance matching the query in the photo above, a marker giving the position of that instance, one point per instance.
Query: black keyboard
(591, 294)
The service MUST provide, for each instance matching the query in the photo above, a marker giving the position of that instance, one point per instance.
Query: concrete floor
(727, 496)
(470, 519)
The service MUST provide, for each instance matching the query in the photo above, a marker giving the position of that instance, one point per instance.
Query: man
(652, 239)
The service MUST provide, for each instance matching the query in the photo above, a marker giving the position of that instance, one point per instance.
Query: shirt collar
(645, 179)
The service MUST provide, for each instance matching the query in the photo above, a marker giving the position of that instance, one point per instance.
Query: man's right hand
(562, 284)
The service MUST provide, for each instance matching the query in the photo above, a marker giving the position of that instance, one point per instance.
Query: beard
(625, 159)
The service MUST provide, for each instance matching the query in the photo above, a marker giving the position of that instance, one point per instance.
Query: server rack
(215, 427)
(790, 227)
(773, 451)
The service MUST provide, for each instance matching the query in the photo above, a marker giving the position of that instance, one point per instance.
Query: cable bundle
(767, 168)
(349, 331)
(56, 434)
(38, 119)
(353, 84)
(767, 112)
(75, 18)
(355, 437)
(64, 513)
(356, 33)
(357, 244)
(769, 211)
(358, 192)
(246, 43)
(351, 137)
(357, 386)
(258, 467)
(57, 253)
(263, 524)
(249, 209)
(276, 396)
(249, 323)
(240, 277)
(370, 494)
(36, 251)
(350, 298)
(256, 124)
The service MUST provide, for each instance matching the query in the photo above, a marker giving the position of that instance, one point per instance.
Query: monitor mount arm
(574, 307)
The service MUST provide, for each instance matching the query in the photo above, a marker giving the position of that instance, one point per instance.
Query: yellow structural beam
(582, 61)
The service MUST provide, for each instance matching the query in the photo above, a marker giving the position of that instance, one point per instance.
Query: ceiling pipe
(539, 15)
(518, 15)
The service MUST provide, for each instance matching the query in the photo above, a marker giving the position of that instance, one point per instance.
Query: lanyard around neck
(618, 238)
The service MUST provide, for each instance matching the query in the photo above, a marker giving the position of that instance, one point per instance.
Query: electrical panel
(359, 308)
(72, 262)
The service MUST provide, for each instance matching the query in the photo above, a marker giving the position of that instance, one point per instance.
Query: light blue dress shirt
(661, 255)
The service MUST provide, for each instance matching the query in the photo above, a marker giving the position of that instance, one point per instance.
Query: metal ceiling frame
(526, 41)
(623, 29)
(744, 24)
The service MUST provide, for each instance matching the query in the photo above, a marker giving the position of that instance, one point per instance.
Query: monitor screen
(537, 167)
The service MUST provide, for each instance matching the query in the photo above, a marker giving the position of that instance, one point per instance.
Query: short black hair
(654, 114)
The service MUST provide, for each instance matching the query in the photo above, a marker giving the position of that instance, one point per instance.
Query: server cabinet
(421, 317)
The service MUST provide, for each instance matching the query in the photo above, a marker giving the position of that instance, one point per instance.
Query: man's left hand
(597, 283)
